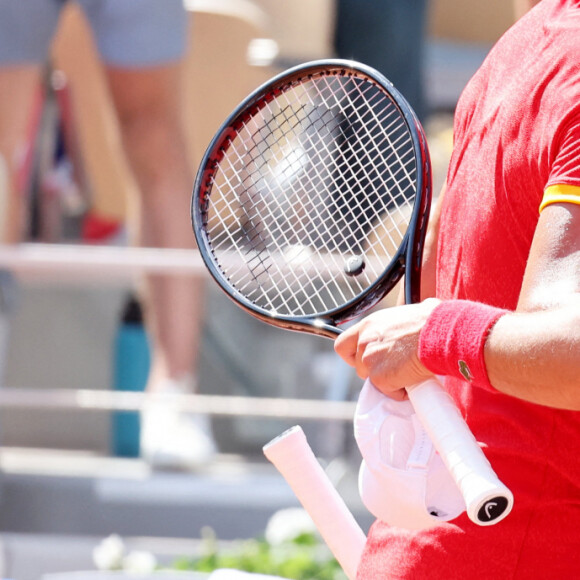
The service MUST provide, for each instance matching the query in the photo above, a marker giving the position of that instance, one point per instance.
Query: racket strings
(372, 163)
(266, 271)
(285, 232)
(291, 229)
(263, 267)
(323, 172)
(365, 100)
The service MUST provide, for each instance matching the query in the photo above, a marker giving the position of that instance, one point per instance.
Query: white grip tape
(487, 499)
(294, 459)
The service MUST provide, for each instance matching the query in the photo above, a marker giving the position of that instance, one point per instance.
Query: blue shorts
(128, 33)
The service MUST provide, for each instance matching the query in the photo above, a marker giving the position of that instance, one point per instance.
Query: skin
(17, 89)
(531, 354)
(148, 104)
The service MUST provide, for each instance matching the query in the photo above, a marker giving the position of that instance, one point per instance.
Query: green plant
(300, 558)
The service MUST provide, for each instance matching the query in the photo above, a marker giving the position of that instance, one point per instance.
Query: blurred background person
(522, 6)
(141, 45)
(388, 35)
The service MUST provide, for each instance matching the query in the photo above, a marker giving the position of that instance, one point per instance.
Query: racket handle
(294, 459)
(487, 499)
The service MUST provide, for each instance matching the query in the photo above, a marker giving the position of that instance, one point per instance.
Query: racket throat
(318, 326)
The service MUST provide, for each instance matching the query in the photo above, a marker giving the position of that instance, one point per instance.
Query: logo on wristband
(464, 370)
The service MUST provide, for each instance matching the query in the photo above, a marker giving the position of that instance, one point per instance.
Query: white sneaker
(172, 438)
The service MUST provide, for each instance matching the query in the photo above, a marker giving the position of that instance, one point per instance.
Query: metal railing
(103, 264)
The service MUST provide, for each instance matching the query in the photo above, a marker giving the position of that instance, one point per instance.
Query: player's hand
(383, 347)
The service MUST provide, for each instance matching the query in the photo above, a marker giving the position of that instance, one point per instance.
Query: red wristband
(452, 341)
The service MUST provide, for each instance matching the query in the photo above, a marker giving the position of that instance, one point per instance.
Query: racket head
(312, 199)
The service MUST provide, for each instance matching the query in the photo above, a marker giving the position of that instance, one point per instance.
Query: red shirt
(517, 131)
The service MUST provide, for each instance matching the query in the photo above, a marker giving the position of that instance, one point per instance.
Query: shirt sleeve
(560, 193)
(564, 182)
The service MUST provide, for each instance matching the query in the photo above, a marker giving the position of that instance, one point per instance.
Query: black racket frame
(408, 258)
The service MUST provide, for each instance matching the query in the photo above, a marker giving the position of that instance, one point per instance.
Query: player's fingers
(353, 342)
(373, 352)
(372, 361)
(346, 345)
(360, 367)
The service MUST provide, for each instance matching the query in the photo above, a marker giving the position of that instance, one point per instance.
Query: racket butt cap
(285, 442)
(491, 508)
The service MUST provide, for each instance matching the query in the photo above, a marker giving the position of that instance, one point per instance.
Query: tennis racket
(310, 204)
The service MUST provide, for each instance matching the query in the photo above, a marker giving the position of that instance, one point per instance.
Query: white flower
(287, 524)
(108, 555)
(139, 562)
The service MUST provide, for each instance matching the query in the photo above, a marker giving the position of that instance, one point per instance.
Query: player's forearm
(536, 356)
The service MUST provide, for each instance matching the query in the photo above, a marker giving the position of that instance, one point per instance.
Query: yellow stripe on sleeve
(560, 193)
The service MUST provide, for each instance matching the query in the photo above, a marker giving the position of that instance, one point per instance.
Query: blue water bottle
(132, 360)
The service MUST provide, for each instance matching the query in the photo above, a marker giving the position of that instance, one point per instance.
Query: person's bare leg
(149, 104)
(18, 86)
